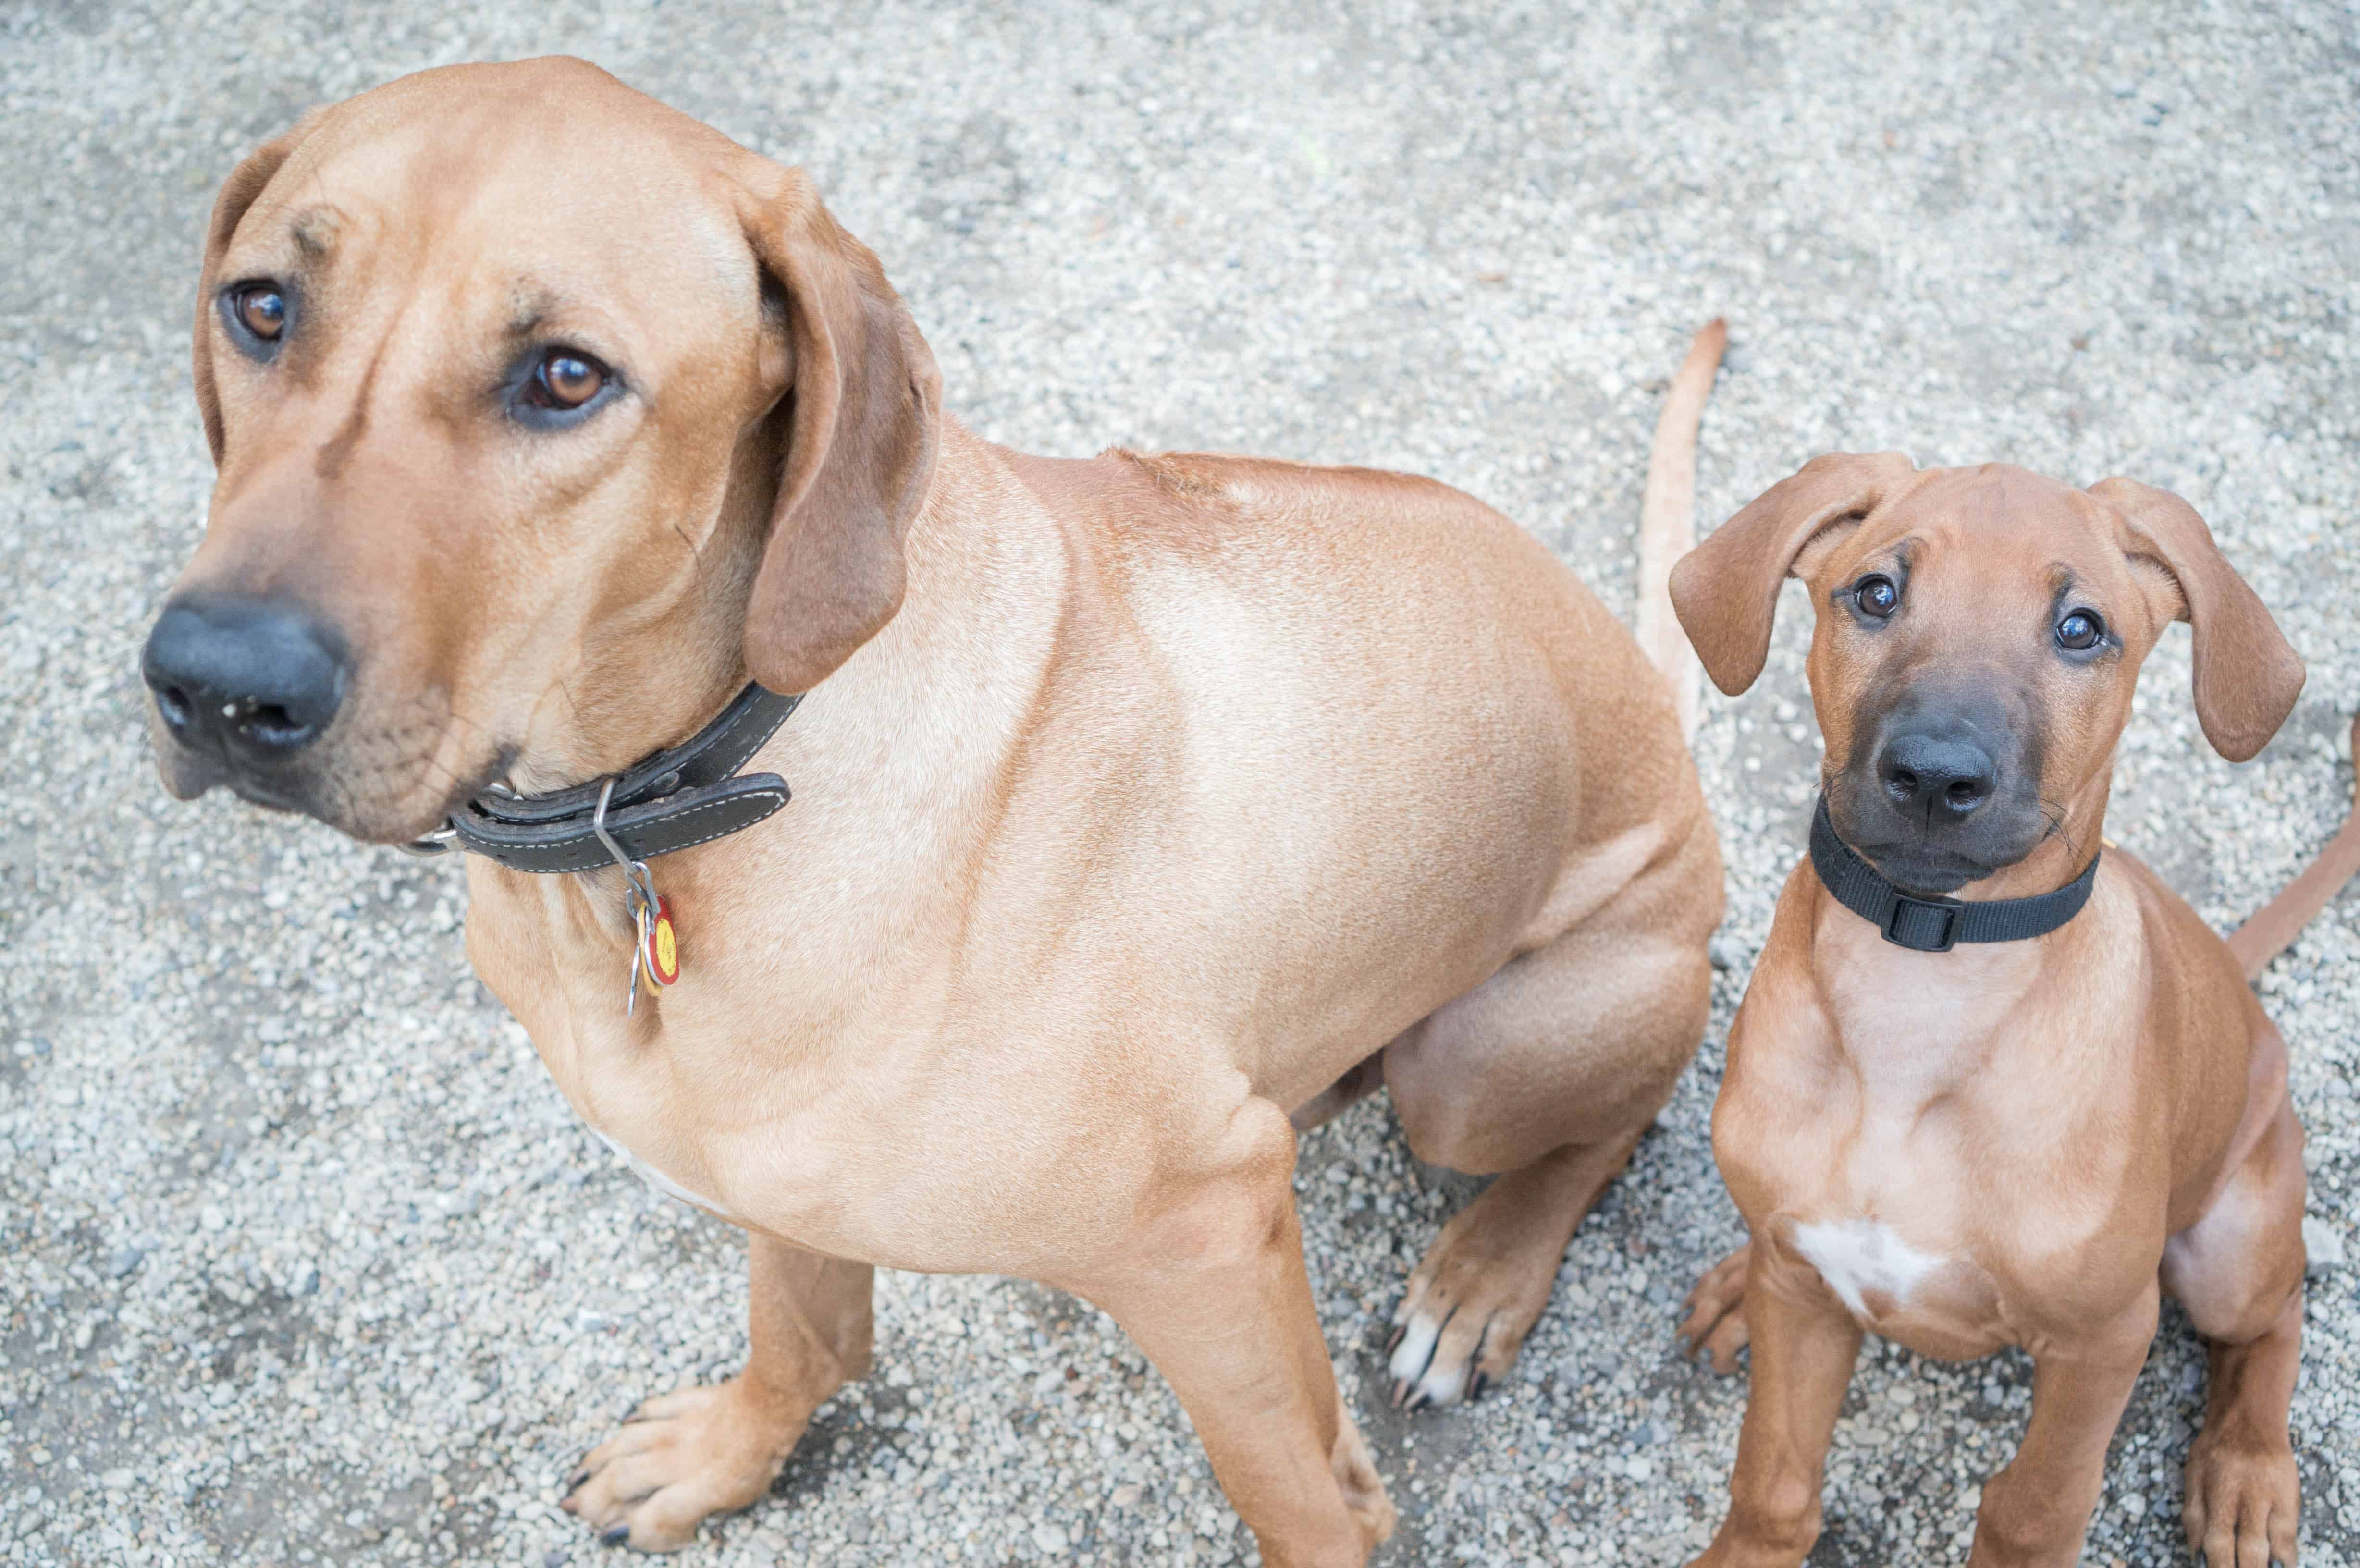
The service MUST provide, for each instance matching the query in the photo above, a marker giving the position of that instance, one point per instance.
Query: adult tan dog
(2020, 1142)
(1139, 801)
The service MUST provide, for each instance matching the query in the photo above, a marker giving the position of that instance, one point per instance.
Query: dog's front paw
(2242, 1500)
(690, 1453)
(1364, 1489)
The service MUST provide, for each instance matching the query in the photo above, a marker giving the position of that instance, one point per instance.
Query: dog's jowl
(1993, 1083)
(1139, 805)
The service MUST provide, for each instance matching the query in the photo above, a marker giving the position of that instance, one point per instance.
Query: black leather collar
(1935, 925)
(690, 794)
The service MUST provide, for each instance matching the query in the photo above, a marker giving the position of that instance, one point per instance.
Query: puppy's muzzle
(1936, 778)
(244, 684)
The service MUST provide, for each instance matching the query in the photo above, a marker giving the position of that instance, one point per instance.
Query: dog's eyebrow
(315, 230)
(530, 307)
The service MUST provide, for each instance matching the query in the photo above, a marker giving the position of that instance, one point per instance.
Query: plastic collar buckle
(1903, 928)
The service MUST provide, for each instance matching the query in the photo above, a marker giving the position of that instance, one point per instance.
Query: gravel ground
(302, 1257)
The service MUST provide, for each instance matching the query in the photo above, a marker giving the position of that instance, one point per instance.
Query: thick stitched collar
(689, 794)
(1935, 925)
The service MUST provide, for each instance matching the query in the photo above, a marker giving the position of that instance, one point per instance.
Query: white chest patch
(661, 1182)
(1857, 1256)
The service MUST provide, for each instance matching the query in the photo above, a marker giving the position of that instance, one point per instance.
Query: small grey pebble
(556, 1559)
(122, 1262)
(2323, 1244)
(1725, 954)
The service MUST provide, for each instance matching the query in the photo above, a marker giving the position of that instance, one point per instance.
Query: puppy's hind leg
(2238, 1270)
(701, 1451)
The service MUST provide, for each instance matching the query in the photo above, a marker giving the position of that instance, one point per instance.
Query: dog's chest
(659, 1182)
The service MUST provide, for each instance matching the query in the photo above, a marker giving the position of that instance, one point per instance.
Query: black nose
(252, 678)
(1941, 777)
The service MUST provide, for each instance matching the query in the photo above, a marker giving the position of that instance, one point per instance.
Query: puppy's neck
(1916, 1026)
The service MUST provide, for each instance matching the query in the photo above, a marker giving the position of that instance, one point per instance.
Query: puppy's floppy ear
(2247, 674)
(1726, 589)
(862, 409)
(238, 192)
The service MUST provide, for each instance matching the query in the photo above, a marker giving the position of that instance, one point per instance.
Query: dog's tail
(2276, 924)
(1668, 519)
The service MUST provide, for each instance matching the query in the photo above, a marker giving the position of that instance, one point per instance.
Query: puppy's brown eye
(260, 309)
(565, 379)
(1877, 595)
(2080, 630)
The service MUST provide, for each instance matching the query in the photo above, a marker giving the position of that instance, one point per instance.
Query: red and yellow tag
(659, 944)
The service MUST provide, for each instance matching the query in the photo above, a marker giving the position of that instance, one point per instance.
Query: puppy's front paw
(2242, 1500)
(688, 1455)
(1715, 1326)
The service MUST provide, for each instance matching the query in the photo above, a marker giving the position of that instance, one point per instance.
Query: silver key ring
(636, 875)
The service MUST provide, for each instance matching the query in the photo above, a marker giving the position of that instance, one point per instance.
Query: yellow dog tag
(659, 943)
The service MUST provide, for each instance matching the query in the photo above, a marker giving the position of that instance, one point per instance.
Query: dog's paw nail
(1475, 1389)
(615, 1535)
(1401, 1391)
(1396, 1337)
(574, 1482)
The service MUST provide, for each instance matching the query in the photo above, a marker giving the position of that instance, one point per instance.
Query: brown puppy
(1138, 801)
(2025, 1142)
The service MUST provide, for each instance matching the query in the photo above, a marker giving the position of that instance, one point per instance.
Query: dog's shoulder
(1256, 485)
(1200, 500)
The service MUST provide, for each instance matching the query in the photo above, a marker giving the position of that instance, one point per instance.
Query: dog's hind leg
(2238, 1270)
(1549, 1074)
(1361, 1079)
(701, 1450)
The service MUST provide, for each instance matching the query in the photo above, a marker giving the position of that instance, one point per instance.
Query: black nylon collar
(690, 794)
(1935, 925)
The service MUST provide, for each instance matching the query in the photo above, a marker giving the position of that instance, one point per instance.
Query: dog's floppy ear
(1726, 589)
(862, 409)
(2247, 674)
(238, 192)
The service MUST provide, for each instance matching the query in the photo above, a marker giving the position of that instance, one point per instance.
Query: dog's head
(543, 417)
(1980, 632)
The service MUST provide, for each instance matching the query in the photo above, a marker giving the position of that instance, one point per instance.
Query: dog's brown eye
(2080, 630)
(566, 380)
(260, 309)
(1877, 595)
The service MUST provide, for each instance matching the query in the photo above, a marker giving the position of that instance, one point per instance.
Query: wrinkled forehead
(1998, 523)
(550, 177)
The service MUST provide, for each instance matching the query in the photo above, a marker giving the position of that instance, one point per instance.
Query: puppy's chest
(1890, 1233)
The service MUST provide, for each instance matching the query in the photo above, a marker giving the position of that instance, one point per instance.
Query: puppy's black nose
(1940, 778)
(256, 680)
